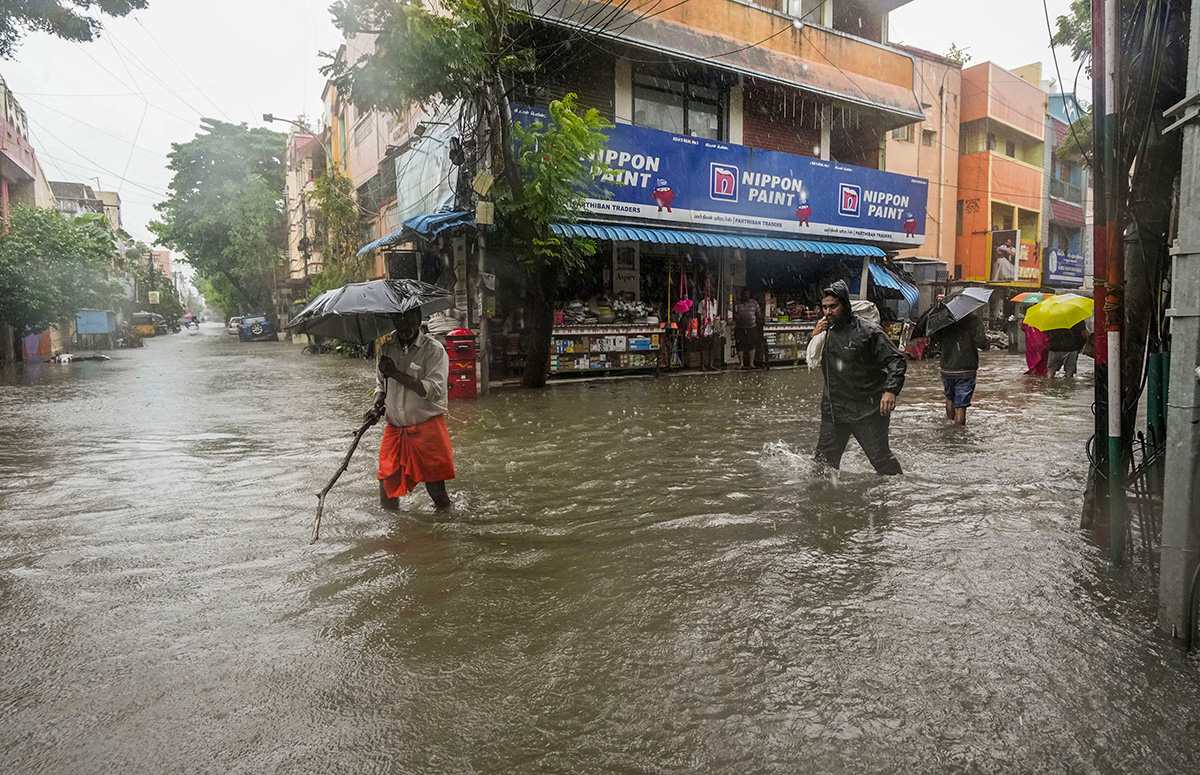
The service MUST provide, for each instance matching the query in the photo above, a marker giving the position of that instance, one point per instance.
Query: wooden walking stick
(373, 418)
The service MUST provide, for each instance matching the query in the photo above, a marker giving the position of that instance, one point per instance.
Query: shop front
(684, 225)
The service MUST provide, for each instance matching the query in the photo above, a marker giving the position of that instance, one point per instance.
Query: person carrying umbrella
(959, 333)
(410, 393)
(960, 343)
(864, 373)
(1065, 344)
(410, 386)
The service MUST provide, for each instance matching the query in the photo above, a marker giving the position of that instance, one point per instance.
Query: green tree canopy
(470, 54)
(68, 19)
(339, 233)
(225, 212)
(51, 267)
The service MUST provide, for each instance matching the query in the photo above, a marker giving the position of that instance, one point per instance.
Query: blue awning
(888, 279)
(429, 225)
(713, 239)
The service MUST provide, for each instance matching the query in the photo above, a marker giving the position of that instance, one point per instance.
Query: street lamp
(269, 117)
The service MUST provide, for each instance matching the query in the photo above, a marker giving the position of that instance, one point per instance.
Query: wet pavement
(642, 576)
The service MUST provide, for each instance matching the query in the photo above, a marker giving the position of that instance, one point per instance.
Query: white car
(232, 326)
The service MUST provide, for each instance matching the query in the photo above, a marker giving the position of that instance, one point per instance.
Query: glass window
(1010, 149)
(903, 133)
(927, 138)
(677, 107)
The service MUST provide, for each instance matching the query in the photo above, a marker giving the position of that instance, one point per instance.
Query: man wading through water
(410, 392)
(864, 373)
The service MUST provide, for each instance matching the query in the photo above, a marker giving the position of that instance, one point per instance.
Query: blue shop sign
(1064, 268)
(674, 179)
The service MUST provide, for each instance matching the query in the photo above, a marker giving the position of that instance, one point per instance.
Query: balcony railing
(1061, 189)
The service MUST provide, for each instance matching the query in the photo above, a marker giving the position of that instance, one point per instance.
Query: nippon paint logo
(723, 182)
(848, 200)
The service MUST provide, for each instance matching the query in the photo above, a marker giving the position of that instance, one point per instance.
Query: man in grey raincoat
(864, 373)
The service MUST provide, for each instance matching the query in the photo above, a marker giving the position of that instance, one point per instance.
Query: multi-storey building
(305, 163)
(1065, 236)
(1000, 175)
(929, 149)
(21, 177)
(748, 152)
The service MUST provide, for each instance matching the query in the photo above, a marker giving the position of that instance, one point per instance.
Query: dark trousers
(872, 436)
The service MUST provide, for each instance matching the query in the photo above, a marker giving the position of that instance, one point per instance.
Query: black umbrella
(362, 312)
(949, 311)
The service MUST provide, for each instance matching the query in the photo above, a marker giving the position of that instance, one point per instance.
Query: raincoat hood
(842, 291)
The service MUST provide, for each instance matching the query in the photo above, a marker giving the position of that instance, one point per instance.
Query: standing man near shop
(747, 319)
(960, 343)
(864, 373)
(410, 393)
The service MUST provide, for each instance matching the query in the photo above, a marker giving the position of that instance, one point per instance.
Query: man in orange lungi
(410, 391)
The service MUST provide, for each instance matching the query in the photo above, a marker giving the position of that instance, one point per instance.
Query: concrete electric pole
(1181, 497)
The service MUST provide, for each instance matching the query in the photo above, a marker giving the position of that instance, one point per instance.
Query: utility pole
(1109, 274)
(1181, 496)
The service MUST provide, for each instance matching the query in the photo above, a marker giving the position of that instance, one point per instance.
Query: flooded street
(642, 576)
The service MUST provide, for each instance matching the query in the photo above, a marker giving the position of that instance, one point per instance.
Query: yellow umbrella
(1059, 312)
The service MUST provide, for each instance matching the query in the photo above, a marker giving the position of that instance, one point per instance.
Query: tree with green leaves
(339, 233)
(225, 211)
(470, 54)
(138, 264)
(51, 267)
(68, 19)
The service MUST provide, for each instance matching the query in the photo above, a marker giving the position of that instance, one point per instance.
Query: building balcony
(742, 38)
(1068, 192)
(992, 92)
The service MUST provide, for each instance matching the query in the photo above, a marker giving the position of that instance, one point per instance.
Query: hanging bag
(684, 304)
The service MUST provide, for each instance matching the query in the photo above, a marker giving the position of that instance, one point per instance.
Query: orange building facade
(1000, 177)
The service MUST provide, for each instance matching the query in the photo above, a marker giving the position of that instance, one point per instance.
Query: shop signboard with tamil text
(673, 179)
(1063, 268)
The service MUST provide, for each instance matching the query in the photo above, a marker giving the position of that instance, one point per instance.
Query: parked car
(256, 328)
(232, 326)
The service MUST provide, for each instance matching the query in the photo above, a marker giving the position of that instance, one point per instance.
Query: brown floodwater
(641, 576)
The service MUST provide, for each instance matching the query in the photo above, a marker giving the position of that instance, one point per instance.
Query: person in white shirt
(1004, 265)
(410, 393)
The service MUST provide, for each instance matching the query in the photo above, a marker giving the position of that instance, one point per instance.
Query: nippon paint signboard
(678, 180)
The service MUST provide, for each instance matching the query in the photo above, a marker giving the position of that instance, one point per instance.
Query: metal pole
(1181, 496)
(1096, 517)
(485, 351)
(1113, 311)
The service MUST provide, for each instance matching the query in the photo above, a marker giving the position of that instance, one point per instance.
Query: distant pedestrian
(1037, 350)
(1065, 344)
(410, 393)
(960, 344)
(747, 321)
(864, 373)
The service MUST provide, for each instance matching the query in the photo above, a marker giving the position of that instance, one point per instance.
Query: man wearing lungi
(410, 390)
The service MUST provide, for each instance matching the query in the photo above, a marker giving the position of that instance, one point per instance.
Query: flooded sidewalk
(636, 576)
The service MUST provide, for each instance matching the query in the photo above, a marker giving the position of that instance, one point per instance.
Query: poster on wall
(1004, 250)
(675, 179)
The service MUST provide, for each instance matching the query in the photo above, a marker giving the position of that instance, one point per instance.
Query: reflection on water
(640, 576)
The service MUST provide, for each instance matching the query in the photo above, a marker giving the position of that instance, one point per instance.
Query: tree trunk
(543, 280)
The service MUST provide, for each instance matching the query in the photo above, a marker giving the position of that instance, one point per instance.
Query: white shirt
(424, 359)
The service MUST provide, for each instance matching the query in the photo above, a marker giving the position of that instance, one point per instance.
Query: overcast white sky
(110, 109)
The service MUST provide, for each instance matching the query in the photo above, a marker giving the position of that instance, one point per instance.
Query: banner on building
(675, 179)
(1063, 268)
(1013, 262)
